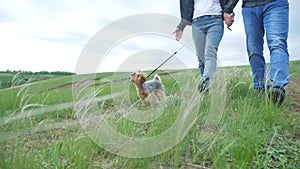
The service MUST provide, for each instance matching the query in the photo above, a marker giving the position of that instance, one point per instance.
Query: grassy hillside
(16, 78)
(48, 124)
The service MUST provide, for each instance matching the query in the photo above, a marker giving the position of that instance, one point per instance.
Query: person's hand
(229, 19)
(178, 34)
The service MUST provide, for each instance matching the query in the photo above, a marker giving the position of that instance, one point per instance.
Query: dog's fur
(147, 89)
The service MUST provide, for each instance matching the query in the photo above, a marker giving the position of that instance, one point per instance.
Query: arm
(186, 12)
(228, 5)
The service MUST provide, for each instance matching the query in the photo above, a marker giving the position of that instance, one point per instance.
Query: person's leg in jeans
(213, 38)
(276, 23)
(207, 33)
(254, 30)
(199, 42)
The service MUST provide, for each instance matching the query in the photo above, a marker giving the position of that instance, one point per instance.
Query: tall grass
(39, 127)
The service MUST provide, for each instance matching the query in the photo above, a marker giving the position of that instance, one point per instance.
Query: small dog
(145, 89)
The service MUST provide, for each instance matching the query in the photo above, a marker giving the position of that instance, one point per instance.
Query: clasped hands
(228, 19)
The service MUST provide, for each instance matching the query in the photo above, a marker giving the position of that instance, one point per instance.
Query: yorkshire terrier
(147, 89)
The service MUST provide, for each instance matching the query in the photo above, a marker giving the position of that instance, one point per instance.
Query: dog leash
(168, 59)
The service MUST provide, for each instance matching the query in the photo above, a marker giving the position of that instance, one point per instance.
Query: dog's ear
(132, 77)
(156, 77)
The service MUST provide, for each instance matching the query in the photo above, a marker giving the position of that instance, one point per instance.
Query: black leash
(166, 60)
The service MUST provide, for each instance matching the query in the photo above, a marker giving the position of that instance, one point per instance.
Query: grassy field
(16, 78)
(50, 123)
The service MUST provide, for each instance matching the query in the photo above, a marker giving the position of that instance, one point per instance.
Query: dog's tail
(156, 77)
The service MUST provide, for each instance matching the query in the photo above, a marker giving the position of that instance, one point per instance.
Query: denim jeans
(271, 19)
(207, 33)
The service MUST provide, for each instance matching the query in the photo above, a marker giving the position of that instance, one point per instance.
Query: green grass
(39, 126)
(12, 79)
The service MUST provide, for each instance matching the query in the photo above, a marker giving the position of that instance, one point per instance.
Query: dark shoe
(277, 94)
(204, 86)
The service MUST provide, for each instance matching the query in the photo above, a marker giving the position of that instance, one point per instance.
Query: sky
(53, 35)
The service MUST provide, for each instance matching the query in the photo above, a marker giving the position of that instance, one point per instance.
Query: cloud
(147, 60)
(5, 16)
(152, 51)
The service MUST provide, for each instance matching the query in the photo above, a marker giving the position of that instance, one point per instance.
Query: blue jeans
(207, 33)
(271, 19)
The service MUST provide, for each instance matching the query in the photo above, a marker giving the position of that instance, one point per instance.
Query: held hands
(229, 19)
(178, 34)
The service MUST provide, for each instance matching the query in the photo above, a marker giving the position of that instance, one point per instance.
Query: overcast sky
(40, 35)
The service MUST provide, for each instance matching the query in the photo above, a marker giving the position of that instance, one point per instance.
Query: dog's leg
(145, 101)
(159, 94)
